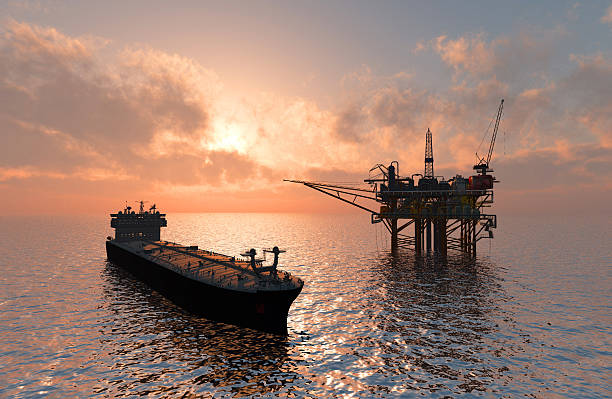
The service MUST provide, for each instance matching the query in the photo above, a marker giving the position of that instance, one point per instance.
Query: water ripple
(367, 324)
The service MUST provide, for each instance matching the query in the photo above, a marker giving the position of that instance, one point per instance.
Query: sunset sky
(208, 106)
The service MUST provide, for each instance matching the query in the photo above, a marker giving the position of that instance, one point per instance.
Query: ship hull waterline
(262, 310)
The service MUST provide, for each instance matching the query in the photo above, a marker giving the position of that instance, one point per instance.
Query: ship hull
(262, 310)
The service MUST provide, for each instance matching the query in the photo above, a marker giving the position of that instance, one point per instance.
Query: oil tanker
(235, 290)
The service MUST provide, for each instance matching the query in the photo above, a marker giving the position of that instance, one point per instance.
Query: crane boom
(483, 165)
(499, 114)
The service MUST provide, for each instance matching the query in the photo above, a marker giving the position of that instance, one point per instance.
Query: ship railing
(223, 263)
(196, 273)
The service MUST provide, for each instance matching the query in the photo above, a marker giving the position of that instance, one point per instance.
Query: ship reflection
(148, 339)
(438, 316)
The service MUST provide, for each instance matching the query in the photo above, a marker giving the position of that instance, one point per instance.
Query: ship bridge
(141, 225)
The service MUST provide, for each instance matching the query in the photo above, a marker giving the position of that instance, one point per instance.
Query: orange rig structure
(453, 207)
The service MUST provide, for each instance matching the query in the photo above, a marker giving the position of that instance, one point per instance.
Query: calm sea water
(531, 317)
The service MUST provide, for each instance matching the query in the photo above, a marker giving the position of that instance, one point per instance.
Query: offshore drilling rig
(445, 214)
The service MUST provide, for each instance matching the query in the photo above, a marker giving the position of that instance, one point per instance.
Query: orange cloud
(148, 123)
(607, 17)
(513, 58)
(468, 53)
(24, 173)
(32, 42)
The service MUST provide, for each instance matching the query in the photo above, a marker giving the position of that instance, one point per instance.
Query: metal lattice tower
(429, 170)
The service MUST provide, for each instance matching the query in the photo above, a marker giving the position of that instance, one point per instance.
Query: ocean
(532, 316)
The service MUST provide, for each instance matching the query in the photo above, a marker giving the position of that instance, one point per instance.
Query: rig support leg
(436, 236)
(428, 229)
(470, 238)
(466, 236)
(423, 222)
(393, 234)
(461, 235)
(474, 238)
(417, 236)
(443, 236)
(470, 235)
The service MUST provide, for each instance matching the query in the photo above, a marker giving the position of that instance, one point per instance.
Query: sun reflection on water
(368, 323)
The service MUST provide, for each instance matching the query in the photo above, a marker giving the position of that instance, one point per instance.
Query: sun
(229, 136)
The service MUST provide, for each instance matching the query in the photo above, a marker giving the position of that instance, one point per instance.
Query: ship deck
(210, 267)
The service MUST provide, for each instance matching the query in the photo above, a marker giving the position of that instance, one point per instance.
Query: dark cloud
(402, 109)
(404, 113)
(350, 124)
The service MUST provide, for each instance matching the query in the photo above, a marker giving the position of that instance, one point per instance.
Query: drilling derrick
(446, 214)
(429, 170)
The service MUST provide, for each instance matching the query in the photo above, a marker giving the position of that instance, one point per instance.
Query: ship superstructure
(144, 225)
(238, 290)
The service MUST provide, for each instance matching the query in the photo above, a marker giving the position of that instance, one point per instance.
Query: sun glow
(229, 136)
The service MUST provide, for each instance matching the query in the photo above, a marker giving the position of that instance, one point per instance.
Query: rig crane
(483, 165)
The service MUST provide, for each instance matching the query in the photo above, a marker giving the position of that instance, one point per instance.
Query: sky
(207, 106)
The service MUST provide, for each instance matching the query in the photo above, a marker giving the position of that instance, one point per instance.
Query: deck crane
(483, 180)
(483, 165)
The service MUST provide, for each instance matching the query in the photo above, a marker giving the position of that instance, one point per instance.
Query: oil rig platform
(444, 214)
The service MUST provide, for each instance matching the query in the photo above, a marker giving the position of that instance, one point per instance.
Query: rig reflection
(437, 316)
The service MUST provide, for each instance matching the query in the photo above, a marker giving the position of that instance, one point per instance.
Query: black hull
(262, 310)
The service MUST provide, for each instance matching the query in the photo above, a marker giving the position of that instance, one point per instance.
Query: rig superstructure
(445, 214)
